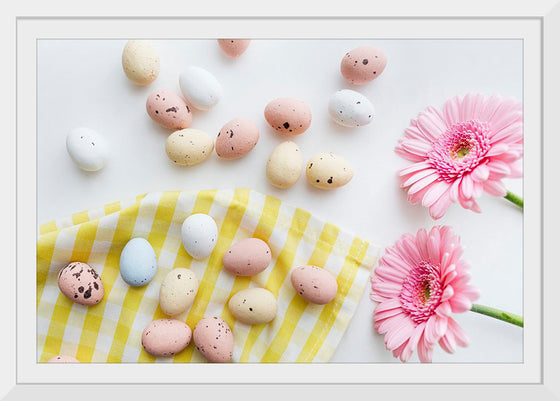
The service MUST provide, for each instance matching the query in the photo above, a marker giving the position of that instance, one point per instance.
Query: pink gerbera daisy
(459, 152)
(419, 283)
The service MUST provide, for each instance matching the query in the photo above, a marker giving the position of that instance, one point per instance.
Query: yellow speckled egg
(140, 62)
(189, 146)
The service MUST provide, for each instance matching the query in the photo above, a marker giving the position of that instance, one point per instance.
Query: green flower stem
(513, 198)
(498, 314)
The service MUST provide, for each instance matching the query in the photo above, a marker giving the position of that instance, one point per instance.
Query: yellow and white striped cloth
(111, 331)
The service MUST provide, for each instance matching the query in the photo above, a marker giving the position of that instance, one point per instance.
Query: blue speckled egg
(138, 263)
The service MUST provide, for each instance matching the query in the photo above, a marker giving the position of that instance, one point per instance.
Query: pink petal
(447, 293)
(422, 243)
(434, 193)
(433, 248)
(516, 170)
(425, 351)
(431, 125)
(421, 184)
(498, 167)
(460, 303)
(480, 174)
(512, 133)
(495, 188)
(466, 187)
(444, 310)
(396, 337)
(452, 111)
(454, 191)
(438, 209)
(413, 168)
(490, 108)
(497, 149)
(430, 332)
(471, 292)
(478, 188)
(468, 107)
(416, 147)
(460, 336)
(448, 343)
(412, 342)
(417, 177)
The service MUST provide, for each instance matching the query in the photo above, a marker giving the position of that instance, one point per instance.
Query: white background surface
(81, 83)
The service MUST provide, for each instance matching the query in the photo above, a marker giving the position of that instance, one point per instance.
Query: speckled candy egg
(199, 234)
(284, 165)
(350, 108)
(253, 306)
(213, 339)
(80, 283)
(138, 263)
(237, 138)
(247, 257)
(314, 284)
(140, 62)
(87, 149)
(363, 64)
(234, 47)
(288, 116)
(63, 359)
(201, 89)
(328, 171)
(168, 110)
(189, 146)
(177, 291)
(166, 337)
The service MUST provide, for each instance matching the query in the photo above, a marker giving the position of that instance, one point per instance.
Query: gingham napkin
(111, 331)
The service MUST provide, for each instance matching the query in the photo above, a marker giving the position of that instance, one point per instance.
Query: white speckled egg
(284, 165)
(138, 263)
(189, 146)
(80, 283)
(253, 306)
(166, 337)
(177, 291)
(350, 108)
(328, 171)
(200, 88)
(63, 359)
(199, 233)
(314, 284)
(87, 148)
(213, 339)
(140, 62)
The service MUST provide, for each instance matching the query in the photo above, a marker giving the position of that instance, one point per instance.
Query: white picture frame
(535, 378)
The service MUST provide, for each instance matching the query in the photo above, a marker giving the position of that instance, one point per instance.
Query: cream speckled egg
(177, 291)
(247, 257)
(328, 171)
(63, 359)
(199, 234)
(314, 284)
(201, 89)
(87, 148)
(169, 110)
(234, 47)
(189, 146)
(237, 138)
(363, 64)
(253, 306)
(350, 108)
(80, 283)
(166, 337)
(214, 339)
(140, 62)
(288, 116)
(284, 165)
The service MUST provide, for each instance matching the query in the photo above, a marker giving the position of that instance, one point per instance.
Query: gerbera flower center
(460, 149)
(421, 291)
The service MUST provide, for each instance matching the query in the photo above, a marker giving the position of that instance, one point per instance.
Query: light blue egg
(138, 263)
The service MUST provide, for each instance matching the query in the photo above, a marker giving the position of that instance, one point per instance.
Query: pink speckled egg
(169, 110)
(63, 359)
(234, 47)
(247, 257)
(80, 283)
(363, 64)
(314, 284)
(213, 339)
(237, 138)
(166, 337)
(288, 116)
